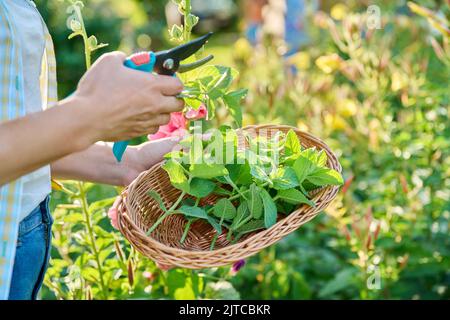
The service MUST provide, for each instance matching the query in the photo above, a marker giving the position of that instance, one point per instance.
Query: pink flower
(178, 123)
(175, 127)
(200, 113)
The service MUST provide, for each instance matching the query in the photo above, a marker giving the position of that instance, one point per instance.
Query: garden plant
(378, 97)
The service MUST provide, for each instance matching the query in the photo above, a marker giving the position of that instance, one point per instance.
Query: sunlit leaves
(176, 174)
(270, 209)
(294, 196)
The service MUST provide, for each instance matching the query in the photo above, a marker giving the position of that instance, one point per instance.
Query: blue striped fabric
(12, 106)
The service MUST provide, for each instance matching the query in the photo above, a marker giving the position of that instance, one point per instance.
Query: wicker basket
(137, 212)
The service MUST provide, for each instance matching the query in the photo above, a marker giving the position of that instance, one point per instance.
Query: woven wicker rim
(194, 259)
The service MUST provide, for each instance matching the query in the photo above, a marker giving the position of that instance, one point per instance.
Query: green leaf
(251, 226)
(294, 196)
(193, 212)
(174, 155)
(215, 224)
(193, 103)
(211, 107)
(325, 176)
(292, 145)
(270, 209)
(259, 173)
(240, 173)
(232, 101)
(255, 204)
(155, 195)
(242, 213)
(285, 178)
(180, 285)
(304, 164)
(208, 171)
(176, 175)
(218, 86)
(322, 159)
(201, 188)
(222, 192)
(100, 205)
(224, 209)
(200, 213)
(342, 280)
(207, 74)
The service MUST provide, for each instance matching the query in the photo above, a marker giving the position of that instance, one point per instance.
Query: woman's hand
(118, 103)
(143, 157)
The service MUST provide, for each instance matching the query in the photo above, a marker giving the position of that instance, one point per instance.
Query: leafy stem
(187, 27)
(87, 217)
(166, 214)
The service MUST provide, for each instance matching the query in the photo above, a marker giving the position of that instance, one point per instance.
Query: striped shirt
(12, 106)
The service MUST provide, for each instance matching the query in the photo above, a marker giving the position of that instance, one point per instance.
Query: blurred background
(370, 78)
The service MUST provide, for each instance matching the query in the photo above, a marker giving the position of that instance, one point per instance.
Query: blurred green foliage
(379, 98)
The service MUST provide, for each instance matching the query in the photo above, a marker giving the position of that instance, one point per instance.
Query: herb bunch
(271, 175)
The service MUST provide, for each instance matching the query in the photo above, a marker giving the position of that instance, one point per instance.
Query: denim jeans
(32, 253)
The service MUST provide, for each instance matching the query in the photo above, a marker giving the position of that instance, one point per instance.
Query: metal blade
(194, 65)
(186, 50)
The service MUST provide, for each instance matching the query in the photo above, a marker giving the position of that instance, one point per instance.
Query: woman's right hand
(119, 103)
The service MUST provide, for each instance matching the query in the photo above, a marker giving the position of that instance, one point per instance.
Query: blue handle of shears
(144, 61)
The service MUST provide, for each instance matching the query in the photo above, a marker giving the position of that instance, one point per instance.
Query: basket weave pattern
(137, 212)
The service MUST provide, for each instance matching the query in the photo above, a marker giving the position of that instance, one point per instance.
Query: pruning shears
(166, 62)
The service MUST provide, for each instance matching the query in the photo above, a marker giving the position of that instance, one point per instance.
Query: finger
(171, 104)
(119, 55)
(112, 57)
(141, 129)
(158, 120)
(169, 86)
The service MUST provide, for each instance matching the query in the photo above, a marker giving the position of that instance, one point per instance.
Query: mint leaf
(220, 84)
(325, 176)
(176, 175)
(294, 196)
(232, 101)
(304, 164)
(222, 192)
(208, 171)
(215, 224)
(155, 195)
(201, 188)
(242, 212)
(292, 146)
(255, 204)
(270, 209)
(251, 226)
(211, 107)
(200, 213)
(224, 209)
(322, 159)
(240, 173)
(285, 178)
(259, 173)
(193, 212)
